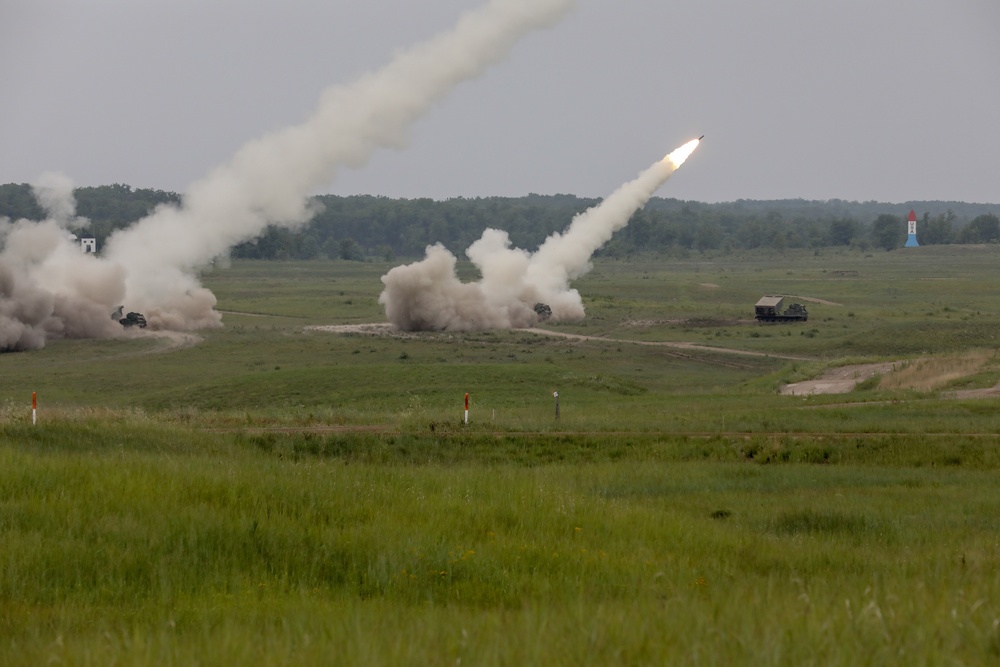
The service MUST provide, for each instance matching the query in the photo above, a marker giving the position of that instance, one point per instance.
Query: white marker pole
(34, 408)
(555, 395)
(466, 408)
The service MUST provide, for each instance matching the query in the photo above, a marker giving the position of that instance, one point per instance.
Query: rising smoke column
(47, 287)
(428, 296)
(268, 180)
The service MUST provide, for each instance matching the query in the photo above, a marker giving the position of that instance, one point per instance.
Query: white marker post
(466, 408)
(555, 395)
(34, 408)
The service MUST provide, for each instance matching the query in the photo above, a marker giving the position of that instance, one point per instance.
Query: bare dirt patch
(839, 380)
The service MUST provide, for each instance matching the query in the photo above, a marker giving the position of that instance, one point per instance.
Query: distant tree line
(108, 207)
(362, 227)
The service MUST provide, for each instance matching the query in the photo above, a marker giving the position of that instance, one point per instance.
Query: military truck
(130, 320)
(770, 309)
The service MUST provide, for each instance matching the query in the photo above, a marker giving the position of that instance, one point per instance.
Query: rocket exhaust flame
(152, 266)
(679, 155)
(427, 295)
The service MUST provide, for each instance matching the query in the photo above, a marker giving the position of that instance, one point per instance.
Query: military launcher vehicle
(130, 320)
(769, 309)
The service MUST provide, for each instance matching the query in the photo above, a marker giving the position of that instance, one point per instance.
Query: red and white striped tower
(911, 231)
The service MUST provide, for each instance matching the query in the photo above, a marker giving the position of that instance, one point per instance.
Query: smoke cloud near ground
(428, 295)
(48, 286)
(153, 266)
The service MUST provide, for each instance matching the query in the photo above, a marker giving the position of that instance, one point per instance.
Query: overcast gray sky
(887, 100)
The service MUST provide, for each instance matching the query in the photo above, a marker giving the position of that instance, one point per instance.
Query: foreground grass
(131, 542)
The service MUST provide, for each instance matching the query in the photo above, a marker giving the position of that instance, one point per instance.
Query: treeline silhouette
(361, 227)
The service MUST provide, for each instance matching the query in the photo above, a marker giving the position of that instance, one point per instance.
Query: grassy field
(276, 494)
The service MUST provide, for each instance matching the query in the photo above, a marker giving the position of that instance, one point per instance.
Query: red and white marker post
(466, 408)
(34, 408)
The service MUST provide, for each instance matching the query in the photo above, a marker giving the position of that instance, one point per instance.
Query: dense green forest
(358, 227)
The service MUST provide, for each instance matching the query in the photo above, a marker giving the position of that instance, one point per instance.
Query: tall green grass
(218, 551)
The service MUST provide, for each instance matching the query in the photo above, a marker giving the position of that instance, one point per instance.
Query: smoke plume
(267, 182)
(48, 286)
(427, 295)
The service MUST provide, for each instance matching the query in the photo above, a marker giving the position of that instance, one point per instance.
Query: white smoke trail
(47, 287)
(268, 180)
(54, 193)
(427, 295)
